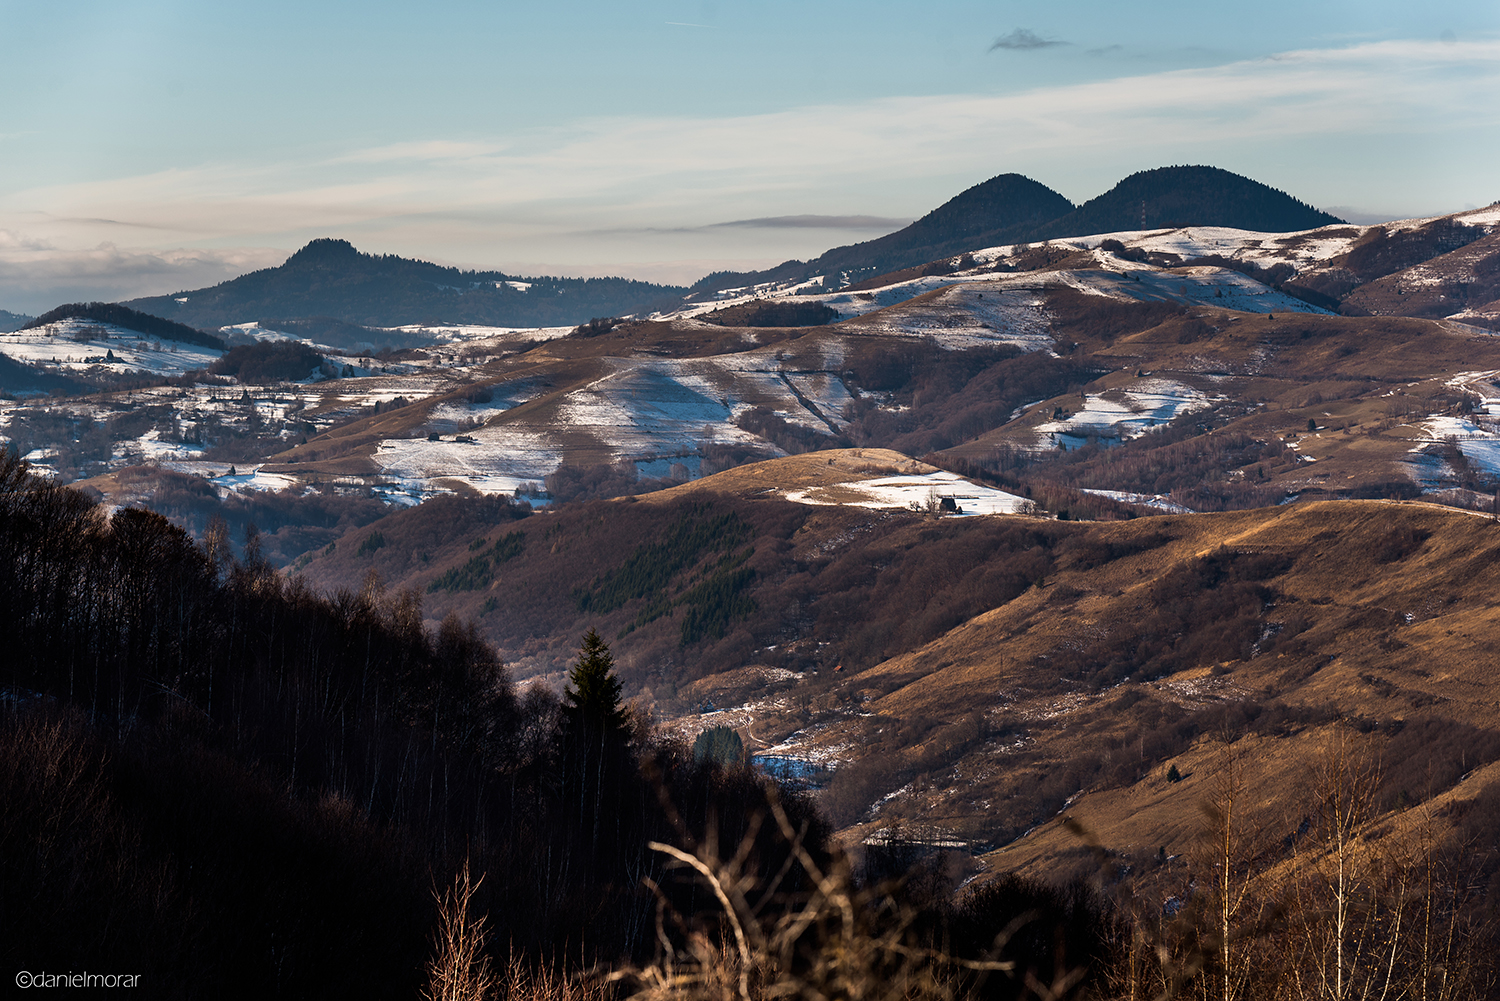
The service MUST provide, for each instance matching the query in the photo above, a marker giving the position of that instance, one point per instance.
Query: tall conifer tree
(593, 694)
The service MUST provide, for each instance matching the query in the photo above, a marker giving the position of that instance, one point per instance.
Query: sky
(153, 146)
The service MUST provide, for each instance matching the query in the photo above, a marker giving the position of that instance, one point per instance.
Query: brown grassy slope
(820, 586)
(810, 471)
(995, 667)
(1376, 611)
(1357, 569)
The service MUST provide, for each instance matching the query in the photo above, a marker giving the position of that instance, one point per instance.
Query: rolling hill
(126, 321)
(999, 210)
(968, 682)
(329, 278)
(12, 321)
(80, 348)
(1177, 197)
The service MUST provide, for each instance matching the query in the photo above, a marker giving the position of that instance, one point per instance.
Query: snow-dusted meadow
(1121, 414)
(79, 345)
(919, 491)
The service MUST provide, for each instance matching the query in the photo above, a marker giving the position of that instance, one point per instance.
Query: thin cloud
(1025, 40)
(854, 222)
(35, 277)
(815, 222)
(422, 150)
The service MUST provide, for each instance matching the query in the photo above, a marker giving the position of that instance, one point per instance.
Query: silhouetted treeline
(221, 780)
(773, 314)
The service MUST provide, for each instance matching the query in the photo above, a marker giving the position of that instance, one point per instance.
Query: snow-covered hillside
(79, 345)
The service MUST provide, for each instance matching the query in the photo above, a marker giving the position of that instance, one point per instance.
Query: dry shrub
(831, 938)
(1341, 901)
(459, 969)
(523, 981)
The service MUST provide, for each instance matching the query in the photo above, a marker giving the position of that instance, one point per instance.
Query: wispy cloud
(815, 222)
(422, 150)
(1025, 40)
(653, 189)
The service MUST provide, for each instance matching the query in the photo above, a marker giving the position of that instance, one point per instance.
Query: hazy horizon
(154, 147)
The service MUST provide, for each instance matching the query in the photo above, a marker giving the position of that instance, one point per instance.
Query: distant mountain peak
(329, 279)
(1188, 195)
(326, 250)
(992, 212)
(1005, 200)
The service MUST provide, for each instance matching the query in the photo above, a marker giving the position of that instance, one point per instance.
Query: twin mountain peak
(330, 278)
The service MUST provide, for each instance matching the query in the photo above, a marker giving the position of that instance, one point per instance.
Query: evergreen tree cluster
(269, 361)
(717, 595)
(480, 570)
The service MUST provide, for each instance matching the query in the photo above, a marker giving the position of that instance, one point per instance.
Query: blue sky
(148, 147)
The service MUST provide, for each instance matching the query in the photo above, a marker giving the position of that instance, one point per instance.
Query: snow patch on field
(919, 490)
(1158, 501)
(1307, 246)
(1122, 414)
(1479, 443)
(76, 345)
(257, 480)
(972, 312)
(1218, 287)
(255, 330)
(153, 447)
(1487, 216)
(497, 460)
(1484, 385)
(466, 333)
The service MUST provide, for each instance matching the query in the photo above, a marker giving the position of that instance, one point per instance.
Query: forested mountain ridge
(1001, 210)
(1178, 197)
(1012, 209)
(330, 278)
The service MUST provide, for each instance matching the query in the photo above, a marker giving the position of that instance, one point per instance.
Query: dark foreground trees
(214, 776)
(226, 784)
